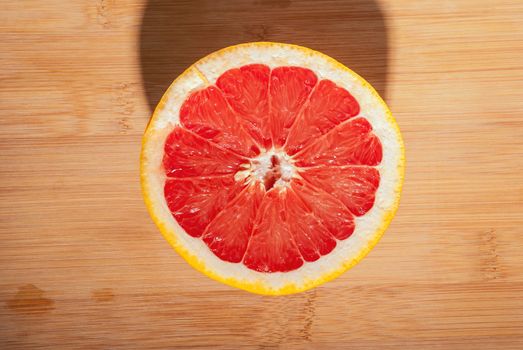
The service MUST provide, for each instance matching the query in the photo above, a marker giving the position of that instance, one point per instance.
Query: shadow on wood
(174, 34)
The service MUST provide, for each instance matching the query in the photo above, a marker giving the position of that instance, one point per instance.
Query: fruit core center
(272, 169)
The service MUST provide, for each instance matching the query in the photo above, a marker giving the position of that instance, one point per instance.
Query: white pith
(258, 168)
(204, 73)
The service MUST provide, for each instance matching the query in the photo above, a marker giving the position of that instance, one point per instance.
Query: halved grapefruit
(271, 167)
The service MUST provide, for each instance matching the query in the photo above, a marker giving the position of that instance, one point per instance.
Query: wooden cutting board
(82, 266)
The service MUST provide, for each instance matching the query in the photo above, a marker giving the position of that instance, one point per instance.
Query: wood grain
(82, 266)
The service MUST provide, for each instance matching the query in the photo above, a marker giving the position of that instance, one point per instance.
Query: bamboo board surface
(82, 266)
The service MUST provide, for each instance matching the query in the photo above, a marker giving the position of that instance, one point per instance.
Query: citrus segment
(328, 210)
(246, 90)
(355, 187)
(186, 154)
(271, 247)
(289, 88)
(207, 114)
(351, 143)
(227, 241)
(310, 236)
(194, 202)
(328, 106)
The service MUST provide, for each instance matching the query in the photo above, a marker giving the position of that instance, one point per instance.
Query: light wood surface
(82, 266)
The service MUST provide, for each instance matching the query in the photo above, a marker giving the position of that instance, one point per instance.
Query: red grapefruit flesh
(246, 89)
(194, 202)
(355, 187)
(351, 143)
(271, 247)
(207, 114)
(289, 89)
(327, 209)
(181, 150)
(229, 242)
(329, 105)
(269, 167)
(311, 237)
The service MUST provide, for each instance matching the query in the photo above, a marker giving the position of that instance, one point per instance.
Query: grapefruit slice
(271, 167)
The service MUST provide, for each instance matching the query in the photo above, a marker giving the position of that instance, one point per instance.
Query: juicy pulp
(319, 168)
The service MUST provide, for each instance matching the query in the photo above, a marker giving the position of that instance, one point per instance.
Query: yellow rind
(260, 287)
